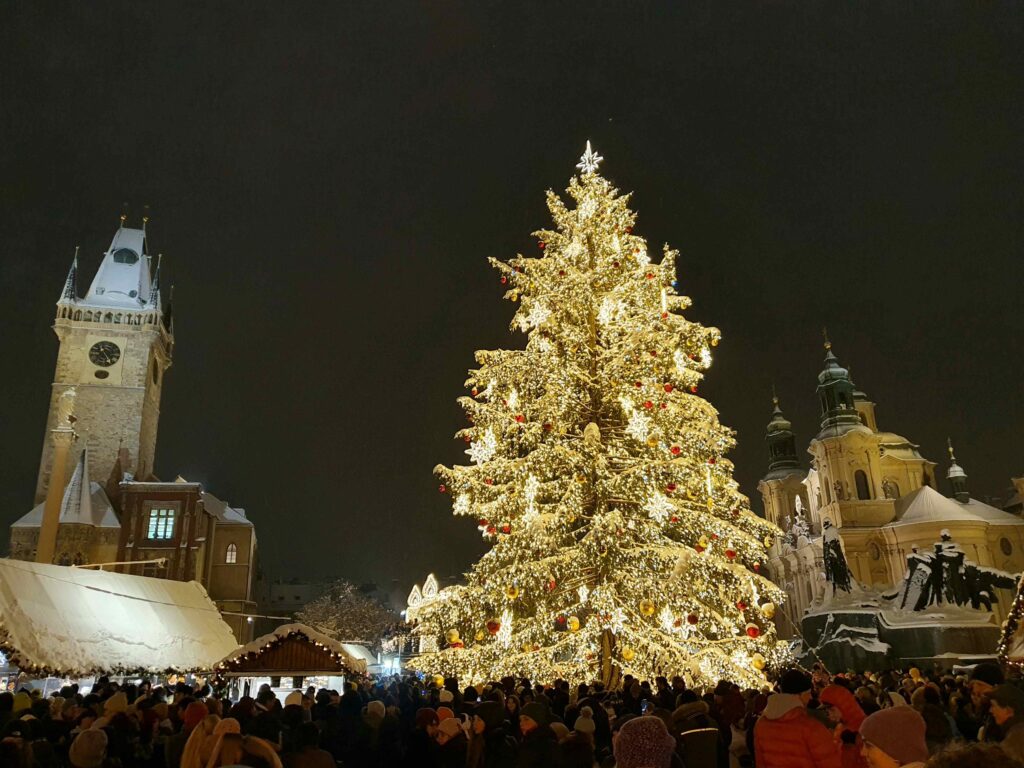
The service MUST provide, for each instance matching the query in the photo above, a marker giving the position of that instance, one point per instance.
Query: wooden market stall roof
(291, 650)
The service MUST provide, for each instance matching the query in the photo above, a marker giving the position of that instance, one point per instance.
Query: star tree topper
(589, 161)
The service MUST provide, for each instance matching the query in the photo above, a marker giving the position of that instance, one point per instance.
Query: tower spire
(956, 476)
(836, 394)
(70, 292)
(782, 457)
(154, 288)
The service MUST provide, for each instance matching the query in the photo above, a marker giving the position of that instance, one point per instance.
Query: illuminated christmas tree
(620, 541)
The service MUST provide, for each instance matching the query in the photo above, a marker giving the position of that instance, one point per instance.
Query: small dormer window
(125, 256)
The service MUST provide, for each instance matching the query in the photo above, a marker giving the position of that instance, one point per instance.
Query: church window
(863, 491)
(109, 317)
(1005, 546)
(875, 551)
(125, 256)
(101, 374)
(161, 524)
(231, 554)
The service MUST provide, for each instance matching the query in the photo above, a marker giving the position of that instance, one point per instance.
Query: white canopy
(77, 621)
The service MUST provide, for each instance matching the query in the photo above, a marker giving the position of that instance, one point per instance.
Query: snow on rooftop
(928, 505)
(256, 646)
(122, 280)
(78, 621)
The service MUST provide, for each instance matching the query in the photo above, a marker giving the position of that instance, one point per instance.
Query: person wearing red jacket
(786, 736)
(846, 712)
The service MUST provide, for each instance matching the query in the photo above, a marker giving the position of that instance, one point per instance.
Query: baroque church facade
(97, 499)
(879, 491)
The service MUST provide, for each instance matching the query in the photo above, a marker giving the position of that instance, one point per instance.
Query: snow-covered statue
(66, 408)
(796, 526)
(944, 575)
(837, 573)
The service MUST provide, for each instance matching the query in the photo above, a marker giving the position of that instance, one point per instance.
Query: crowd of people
(809, 720)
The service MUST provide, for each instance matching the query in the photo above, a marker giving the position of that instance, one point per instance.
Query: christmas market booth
(74, 623)
(288, 659)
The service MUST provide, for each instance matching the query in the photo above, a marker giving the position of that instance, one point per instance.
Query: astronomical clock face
(104, 353)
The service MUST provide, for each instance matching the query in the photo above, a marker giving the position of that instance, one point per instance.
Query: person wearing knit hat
(421, 744)
(846, 713)
(643, 742)
(293, 699)
(539, 745)
(1006, 704)
(443, 713)
(452, 743)
(446, 696)
(426, 718)
(561, 730)
(200, 743)
(115, 704)
(894, 737)
(89, 749)
(585, 723)
(985, 678)
(786, 735)
(214, 745)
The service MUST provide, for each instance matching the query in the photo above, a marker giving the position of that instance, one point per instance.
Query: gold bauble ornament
(711, 505)
(581, 479)
(647, 607)
(652, 441)
(480, 635)
(768, 610)
(690, 494)
(757, 661)
(628, 654)
(527, 647)
(452, 636)
(573, 624)
(703, 541)
(439, 680)
(512, 591)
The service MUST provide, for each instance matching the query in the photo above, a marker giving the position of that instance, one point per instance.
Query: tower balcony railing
(105, 316)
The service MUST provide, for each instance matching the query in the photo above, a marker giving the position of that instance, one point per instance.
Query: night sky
(326, 181)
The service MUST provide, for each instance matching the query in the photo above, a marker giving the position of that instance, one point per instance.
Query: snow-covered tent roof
(84, 502)
(78, 621)
(361, 652)
(926, 505)
(291, 649)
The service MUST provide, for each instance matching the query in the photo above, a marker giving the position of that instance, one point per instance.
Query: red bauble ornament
(506, 529)
(629, 230)
(493, 626)
(698, 548)
(676, 450)
(714, 536)
(491, 530)
(675, 519)
(520, 418)
(638, 384)
(730, 554)
(457, 644)
(663, 406)
(488, 481)
(670, 487)
(753, 630)
(482, 523)
(649, 275)
(664, 315)
(693, 618)
(504, 280)
(551, 585)
(654, 353)
(542, 245)
(756, 566)
(474, 392)
(648, 404)
(693, 389)
(711, 460)
(442, 488)
(615, 264)
(466, 439)
(740, 605)
(560, 620)
(561, 273)
(669, 387)
(547, 426)
(677, 623)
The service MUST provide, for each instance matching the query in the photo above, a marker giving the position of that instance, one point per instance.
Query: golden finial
(949, 445)
(824, 332)
(124, 213)
(775, 396)
(145, 216)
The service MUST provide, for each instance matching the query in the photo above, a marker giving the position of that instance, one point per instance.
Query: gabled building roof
(84, 503)
(926, 505)
(226, 515)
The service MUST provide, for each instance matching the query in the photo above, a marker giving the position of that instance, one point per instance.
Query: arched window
(231, 554)
(863, 491)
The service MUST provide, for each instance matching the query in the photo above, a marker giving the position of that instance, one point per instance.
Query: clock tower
(116, 342)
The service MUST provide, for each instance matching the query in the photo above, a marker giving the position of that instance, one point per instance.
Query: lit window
(231, 555)
(161, 524)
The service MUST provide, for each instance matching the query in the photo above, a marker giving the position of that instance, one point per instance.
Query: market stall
(290, 658)
(75, 622)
